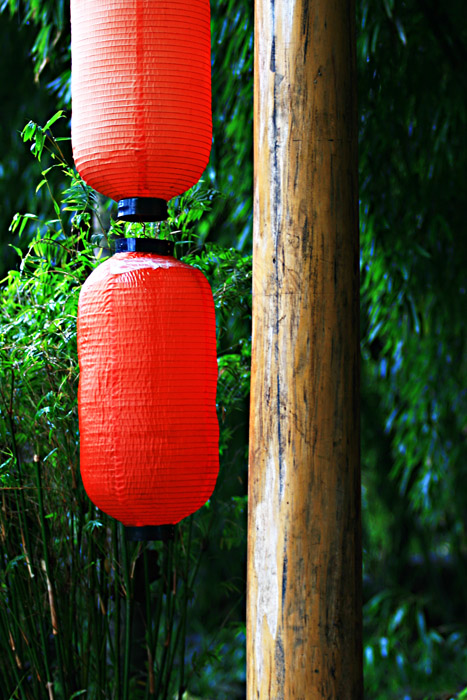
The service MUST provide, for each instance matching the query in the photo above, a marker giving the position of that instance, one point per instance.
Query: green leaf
(21, 220)
(41, 183)
(18, 250)
(29, 131)
(58, 115)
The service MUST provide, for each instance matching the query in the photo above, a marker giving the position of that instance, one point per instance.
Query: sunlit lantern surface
(141, 98)
(147, 389)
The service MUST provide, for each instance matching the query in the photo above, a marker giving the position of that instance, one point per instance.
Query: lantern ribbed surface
(147, 390)
(141, 95)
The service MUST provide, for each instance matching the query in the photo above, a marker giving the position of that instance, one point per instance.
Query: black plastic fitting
(150, 532)
(144, 245)
(142, 209)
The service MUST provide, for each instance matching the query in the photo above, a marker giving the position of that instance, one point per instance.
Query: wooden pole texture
(304, 550)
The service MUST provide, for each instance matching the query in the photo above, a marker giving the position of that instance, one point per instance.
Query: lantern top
(144, 245)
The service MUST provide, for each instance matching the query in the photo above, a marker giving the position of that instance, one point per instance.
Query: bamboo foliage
(67, 607)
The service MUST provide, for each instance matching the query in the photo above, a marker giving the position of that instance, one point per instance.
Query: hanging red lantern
(147, 389)
(141, 93)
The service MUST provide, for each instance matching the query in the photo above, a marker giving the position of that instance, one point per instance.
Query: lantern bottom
(142, 209)
(150, 532)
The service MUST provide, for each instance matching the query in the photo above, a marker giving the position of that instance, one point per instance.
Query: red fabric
(141, 95)
(147, 391)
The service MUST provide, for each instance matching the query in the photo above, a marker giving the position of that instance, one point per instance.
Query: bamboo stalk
(23, 625)
(79, 639)
(103, 621)
(172, 638)
(21, 507)
(128, 615)
(116, 611)
(96, 638)
(150, 685)
(181, 687)
(13, 659)
(87, 637)
(168, 630)
(47, 570)
(158, 614)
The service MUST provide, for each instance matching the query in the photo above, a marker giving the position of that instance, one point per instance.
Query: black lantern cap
(150, 532)
(144, 245)
(142, 209)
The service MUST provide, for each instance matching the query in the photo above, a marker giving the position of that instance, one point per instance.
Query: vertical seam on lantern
(141, 163)
(115, 383)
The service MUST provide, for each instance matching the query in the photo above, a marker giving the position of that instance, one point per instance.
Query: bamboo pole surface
(304, 560)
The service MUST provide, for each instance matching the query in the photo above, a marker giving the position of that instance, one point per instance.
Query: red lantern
(141, 90)
(147, 390)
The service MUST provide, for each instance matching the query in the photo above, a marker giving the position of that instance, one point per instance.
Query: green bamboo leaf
(58, 115)
(29, 131)
(40, 185)
(18, 250)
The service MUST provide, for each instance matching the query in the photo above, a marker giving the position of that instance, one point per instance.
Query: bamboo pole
(304, 560)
